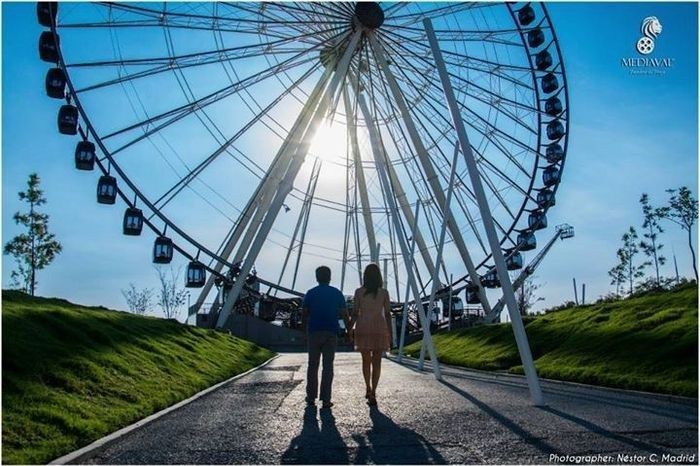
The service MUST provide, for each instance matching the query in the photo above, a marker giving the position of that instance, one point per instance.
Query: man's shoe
(327, 405)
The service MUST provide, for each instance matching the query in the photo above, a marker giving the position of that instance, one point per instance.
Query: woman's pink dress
(371, 331)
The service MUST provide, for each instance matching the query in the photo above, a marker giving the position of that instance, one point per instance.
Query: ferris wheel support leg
(287, 183)
(507, 287)
(360, 177)
(441, 244)
(266, 184)
(402, 200)
(430, 174)
(314, 177)
(409, 268)
(381, 161)
(283, 158)
(297, 227)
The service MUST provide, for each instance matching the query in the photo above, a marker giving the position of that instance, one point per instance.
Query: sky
(630, 134)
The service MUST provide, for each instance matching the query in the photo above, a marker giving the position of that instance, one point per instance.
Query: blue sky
(630, 134)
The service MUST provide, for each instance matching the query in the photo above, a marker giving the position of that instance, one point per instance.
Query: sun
(329, 142)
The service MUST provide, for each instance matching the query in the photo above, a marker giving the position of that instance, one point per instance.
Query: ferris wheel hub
(369, 14)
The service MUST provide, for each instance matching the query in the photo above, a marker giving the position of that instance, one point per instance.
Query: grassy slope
(645, 343)
(73, 374)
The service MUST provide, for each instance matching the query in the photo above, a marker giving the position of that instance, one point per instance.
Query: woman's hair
(372, 279)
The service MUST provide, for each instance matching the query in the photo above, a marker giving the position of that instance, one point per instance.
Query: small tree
(650, 245)
(683, 211)
(139, 301)
(617, 276)
(526, 296)
(626, 255)
(37, 248)
(171, 297)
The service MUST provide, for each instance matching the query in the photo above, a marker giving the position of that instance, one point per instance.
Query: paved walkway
(471, 417)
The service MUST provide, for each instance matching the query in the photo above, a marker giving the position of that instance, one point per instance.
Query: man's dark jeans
(320, 343)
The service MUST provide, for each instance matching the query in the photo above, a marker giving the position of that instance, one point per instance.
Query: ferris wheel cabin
(46, 13)
(133, 221)
(68, 120)
(85, 155)
(48, 47)
(537, 220)
(107, 189)
(490, 280)
(472, 294)
(526, 15)
(162, 250)
(554, 153)
(196, 275)
(545, 199)
(550, 83)
(526, 241)
(56, 83)
(514, 261)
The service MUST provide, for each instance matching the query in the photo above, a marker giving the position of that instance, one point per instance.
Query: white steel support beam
(409, 270)
(381, 161)
(287, 183)
(304, 228)
(300, 221)
(441, 244)
(430, 174)
(286, 153)
(267, 184)
(402, 200)
(506, 286)
(360, 177)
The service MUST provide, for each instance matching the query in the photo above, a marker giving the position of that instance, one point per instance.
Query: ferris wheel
(258, 134)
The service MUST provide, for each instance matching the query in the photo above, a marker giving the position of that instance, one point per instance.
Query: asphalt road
(471, 417)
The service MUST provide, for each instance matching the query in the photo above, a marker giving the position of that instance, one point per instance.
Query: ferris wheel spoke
(440, 114)
(461, 203)
(419, 45)
(412, 18)
(166, 16)
(489, 183)
(229, 53)
(149, 128)
(197, 170)
(184, 110)
(465, 82)
(493, 101)
(123, 78)
(488, 132)
(297, 6)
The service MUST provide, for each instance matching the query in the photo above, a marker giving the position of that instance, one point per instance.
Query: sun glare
(330, 141)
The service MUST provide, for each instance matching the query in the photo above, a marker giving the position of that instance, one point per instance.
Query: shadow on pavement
(596, 429)
(317, 443)
(536, 442)
(672, 409)
(389, 443)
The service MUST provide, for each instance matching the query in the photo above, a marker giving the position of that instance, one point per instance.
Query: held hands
(350, 336)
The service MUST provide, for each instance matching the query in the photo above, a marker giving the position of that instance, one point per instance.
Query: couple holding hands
(368, 326)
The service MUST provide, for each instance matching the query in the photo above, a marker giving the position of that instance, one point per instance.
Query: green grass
(643, 343)
(72, 374)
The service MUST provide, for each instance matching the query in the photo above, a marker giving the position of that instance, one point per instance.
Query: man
(320, 311)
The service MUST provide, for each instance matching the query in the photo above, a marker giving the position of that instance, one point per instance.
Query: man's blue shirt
(323, 303)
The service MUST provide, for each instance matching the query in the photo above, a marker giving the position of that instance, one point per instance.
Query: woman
(372, 333)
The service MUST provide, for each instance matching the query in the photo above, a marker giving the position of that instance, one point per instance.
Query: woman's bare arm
(387, 311)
